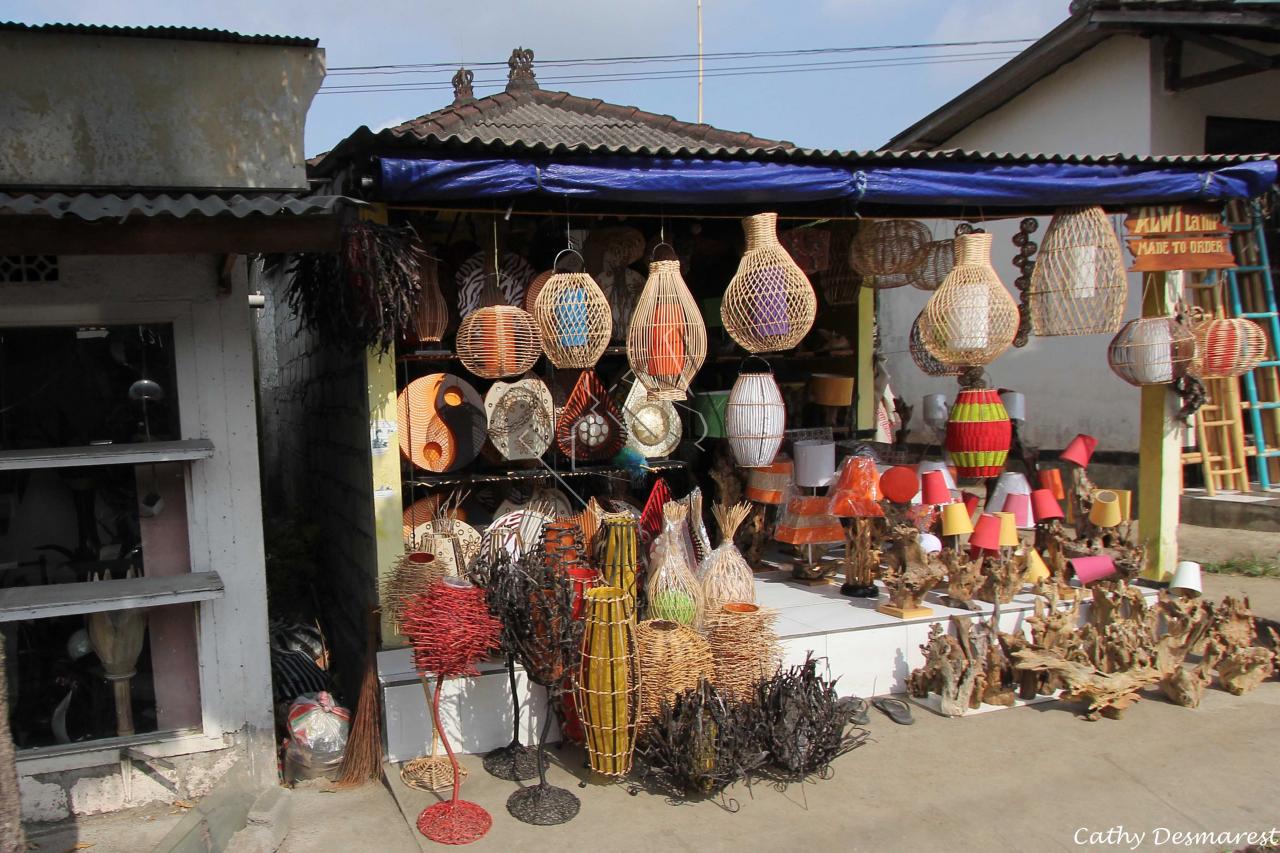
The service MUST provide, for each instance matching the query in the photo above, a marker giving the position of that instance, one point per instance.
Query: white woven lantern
(755, 418)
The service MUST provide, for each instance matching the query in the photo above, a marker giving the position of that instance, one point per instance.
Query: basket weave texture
(609, 682)
(1152, 351)
(667, 338)
(1078, 285)
(744, 647)
(673, 659)
(970, 319)
(769, 305)
(573, 319)
(889, 247)
(1227, 347)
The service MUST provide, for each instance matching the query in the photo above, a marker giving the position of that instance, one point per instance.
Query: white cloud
(391, 122)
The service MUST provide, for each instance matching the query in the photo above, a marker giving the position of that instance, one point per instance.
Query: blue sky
(828, 109)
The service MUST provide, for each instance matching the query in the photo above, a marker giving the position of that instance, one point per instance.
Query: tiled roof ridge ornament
(521, 77)
(462, 92)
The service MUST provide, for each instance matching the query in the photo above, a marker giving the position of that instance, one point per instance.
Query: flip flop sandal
(857, 710)
(895, 709)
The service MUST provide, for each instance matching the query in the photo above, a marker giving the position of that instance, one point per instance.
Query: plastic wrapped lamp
(498, 340)
(725, 574)
(769, 305)
(667, 338)
(768, 485)
(1078, 452)
(924, 359)
(978, 433)
(674, 593)
(807, 520)
(970, 319)
(755, 418)
(451, 629)
(1105, 511)
(1227, 347)
(1152, 351)
(573, 319)
(889, 247)
(856, 492)
(1078, 284)
(430, 311)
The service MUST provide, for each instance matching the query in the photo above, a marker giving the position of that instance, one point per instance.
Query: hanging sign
(1178, 237)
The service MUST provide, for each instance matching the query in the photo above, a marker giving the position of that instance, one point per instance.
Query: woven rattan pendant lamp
(939, 260)
(497, 339)
(1078, 284)
(1152, 351)
(1227, 347)
(890, 248)
(755, 417)
(970, 319)
(573, 318)
(430, 312)
(924, 359)
(667, 339)
(769, 305)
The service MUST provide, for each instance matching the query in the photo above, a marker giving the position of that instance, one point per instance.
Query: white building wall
(215, 375)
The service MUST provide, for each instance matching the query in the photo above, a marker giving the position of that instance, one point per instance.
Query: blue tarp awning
(1020, 184)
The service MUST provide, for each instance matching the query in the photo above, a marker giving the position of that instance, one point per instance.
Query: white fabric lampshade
(815, 463)
(1013, 482)
(1186, 578)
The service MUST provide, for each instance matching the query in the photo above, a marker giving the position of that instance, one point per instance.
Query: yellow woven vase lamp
(1227, 347)
(573, 318)
(498, 340)
(609, 682)
(887, 251)
(769, 305)
(667, 338)
(430, 311)
(1078, 284)
(970, 319)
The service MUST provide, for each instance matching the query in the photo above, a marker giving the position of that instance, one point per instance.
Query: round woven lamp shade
(770, 304)
(1152, 351)
(1078, 284)
(889, 247)
(755, 419)
(574, 320)
(924, 359)
(939, 260)
(1227, 347)
(498, 340)
(667, 339)
(970, 319)
(673, 658)
(978, 433)
(535, 287)
(430, 311)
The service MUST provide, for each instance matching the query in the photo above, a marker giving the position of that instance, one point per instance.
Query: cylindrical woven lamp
(755, 418)
(767, 485)
(667, 338)
(770, 304)
(672, 659)
(889, 247)
(1152, 351)
(979, 433)
(497, 339)
(939, 259)
(589, 426)
(744, 647)
(1078, 284)
(573, 319)
(619, 556)
(430, 312)
(970, 319)
(609, 682)
(924, 359)
(1227, 347)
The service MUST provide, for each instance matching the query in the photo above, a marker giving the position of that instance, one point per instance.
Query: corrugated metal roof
(173, 33)
(94, 206)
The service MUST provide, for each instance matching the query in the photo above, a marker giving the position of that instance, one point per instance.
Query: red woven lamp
(451, 629)
(1227, 347)
(651, 516)
(979, 433)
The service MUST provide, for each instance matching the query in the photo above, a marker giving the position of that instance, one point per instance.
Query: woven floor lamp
(672, 658)
(609, 682)
(1078, 284)
(769, 305)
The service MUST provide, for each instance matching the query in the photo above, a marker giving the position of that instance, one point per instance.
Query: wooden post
(865, 387)
(384, 455)
(1160, 456)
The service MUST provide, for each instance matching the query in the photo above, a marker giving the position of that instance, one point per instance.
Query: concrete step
(1249, 511)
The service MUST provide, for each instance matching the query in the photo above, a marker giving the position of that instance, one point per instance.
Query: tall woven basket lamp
(667, 338)
(573, 318)
(451, 629)
(769, 305)
(609, 682)
(755, 417)
(1078, 284)
(430, 311)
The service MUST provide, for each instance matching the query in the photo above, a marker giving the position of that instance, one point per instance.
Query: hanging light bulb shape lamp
(769, 305)
(431, 312)
(755, 416)
(667, 338)
(1152, 351)
(1078, 284)
(573, 317)
(970, 319)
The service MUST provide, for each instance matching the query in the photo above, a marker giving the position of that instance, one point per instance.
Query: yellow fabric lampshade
(1008, 529)
(1126, 503)
(1106, 509)
(956, 520)
(1036, 570)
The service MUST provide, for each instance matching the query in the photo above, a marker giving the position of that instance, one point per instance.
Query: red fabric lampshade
(934, 490)
(1080, 450)
(970, 502)
(986, 533)
(1044, 506)
(900, 484)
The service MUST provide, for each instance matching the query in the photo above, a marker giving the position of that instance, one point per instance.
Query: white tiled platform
(870, 653)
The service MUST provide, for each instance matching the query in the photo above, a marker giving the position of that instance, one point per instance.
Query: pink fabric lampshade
(1020, 506)
(1090, 569)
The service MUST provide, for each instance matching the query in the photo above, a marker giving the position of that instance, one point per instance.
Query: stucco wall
(121, 112)
(216, 388)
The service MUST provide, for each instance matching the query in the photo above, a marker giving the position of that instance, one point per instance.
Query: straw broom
(116, 637)
(362, 760)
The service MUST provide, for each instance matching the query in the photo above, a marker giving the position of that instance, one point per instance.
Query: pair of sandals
(894, 709)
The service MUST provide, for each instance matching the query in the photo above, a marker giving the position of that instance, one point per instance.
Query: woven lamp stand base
(454, 822)
(430, 773)
(514, 762)
(543, 805)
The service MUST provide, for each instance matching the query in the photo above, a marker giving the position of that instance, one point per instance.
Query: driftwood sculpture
(1001, 578)
(1053, 629)
(964, 579)
(861, 557)
(1187, 622)
(909, 573)
(967, 667)
(1231, 649)
(1104, 694)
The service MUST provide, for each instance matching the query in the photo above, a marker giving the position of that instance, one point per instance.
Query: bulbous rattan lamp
(497, 339)
(1227, 347)
(769, 305)
(970, 319)
(573, 318)
(1152, 351)
(1078, 285)
(667, 339)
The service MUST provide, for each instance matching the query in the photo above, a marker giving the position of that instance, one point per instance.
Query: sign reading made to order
(1178, 237)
